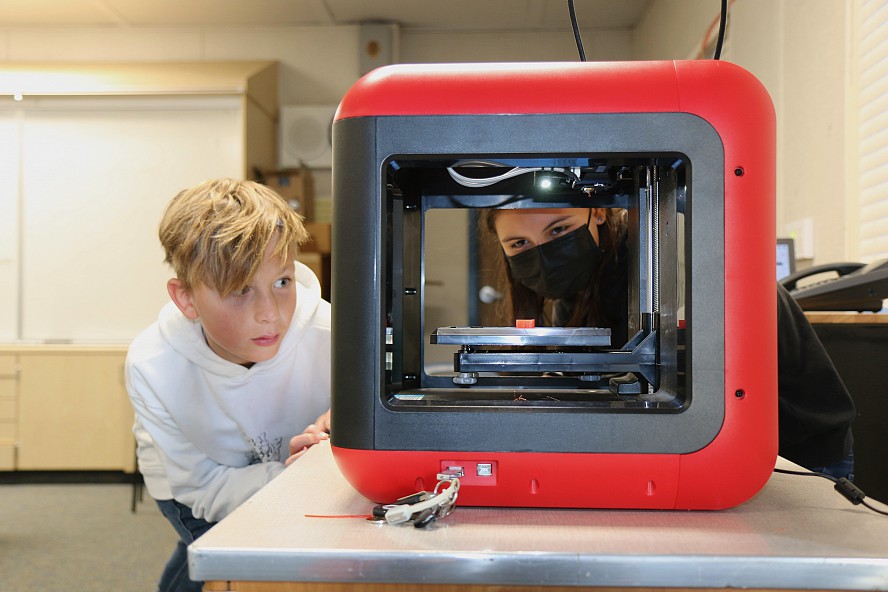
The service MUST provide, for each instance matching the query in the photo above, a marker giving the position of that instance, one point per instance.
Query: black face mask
(559, 268)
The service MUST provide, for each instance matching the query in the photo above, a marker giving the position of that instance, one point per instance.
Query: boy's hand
(314, 433)
(323, 422)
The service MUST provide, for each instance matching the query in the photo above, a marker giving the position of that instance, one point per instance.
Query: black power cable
(576, 29)
(723, 21)
(722, 25)
(851, 492)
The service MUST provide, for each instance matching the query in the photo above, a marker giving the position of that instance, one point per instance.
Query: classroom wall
(420, 46)
(798, 51)
(317, 66)
(795, 48)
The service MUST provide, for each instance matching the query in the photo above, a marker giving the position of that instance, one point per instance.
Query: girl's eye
(282, 283)
(558, 230)
(244, 291)
(518, 244)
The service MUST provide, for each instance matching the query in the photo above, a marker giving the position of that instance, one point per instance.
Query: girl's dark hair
(588, 311)
(590, 307)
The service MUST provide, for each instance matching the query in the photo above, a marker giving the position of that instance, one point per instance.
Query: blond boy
(225, 381)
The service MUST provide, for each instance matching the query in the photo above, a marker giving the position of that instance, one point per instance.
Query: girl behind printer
(569, 267)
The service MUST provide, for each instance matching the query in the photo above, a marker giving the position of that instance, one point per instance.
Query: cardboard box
(320, 264)
(320, 238)
(296, 185)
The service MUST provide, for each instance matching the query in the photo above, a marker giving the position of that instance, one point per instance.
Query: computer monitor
(785, 257)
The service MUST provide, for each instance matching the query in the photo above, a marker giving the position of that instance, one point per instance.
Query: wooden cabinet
(315, 254)
(69, 409)
(9, 370)
(857, 343)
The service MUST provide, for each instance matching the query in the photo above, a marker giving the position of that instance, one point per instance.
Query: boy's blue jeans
(175, 574)
(843, 468)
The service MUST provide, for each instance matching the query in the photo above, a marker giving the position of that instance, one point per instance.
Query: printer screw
(739, 171)
(740, 393)
(466, 378)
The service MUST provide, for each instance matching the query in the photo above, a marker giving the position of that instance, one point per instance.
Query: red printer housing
(678, 144)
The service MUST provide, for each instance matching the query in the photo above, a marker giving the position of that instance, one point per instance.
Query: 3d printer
(533, 416)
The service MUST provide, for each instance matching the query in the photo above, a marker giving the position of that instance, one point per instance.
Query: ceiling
(451, 15)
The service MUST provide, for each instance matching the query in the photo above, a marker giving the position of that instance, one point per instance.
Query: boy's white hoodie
(209, 432)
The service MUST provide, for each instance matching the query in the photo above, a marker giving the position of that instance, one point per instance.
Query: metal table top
(797, 533)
